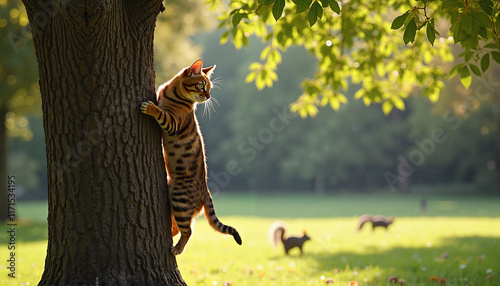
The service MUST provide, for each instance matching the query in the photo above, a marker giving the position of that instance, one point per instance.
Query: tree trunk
(109, 217)
(3, 164)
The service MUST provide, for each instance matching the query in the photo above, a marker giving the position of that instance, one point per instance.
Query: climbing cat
(184, 150)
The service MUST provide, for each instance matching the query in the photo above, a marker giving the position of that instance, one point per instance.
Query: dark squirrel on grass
(377, 221)
(277, 233)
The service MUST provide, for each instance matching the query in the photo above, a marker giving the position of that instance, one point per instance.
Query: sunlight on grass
(413, 249)
(463, 247)
(463, 250)
(30, 259)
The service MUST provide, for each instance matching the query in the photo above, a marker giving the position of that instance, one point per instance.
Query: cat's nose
(207, 95)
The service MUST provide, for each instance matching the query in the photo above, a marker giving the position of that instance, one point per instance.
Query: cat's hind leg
(184, 226)
(175, 228)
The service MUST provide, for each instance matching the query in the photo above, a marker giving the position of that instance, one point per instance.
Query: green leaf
(452, 4)
(398, 102)
(311, 109)
(236, 19)
(271, 76)
(250, 77)
(274, 58)
(360, 93)
(431, 32)
(302, 5)
(262, 79)
(387, 107)
(421, 25)
(475, 69)
(255, 66)
(492, 46)
(342, 98)
(467, 23)
(399, 21)
(486, 6)
(459, 33)
(485, 62)
(483, 33)
(468, 55)
(335, 6)
(224, 37)
(432, 93)
(465, 77)
(453, 71)
(480, 18)
(315, 12)
(265, 53)
(497, 22)
(234, 11)
(278, 7)
(496, 56)
(334, 103)
(410, 32)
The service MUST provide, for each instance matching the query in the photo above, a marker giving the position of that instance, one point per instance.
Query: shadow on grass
(26, 231)
(462, 260)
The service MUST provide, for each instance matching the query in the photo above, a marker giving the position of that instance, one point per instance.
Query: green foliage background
(357, 42)
(348, 149)
(18, 70)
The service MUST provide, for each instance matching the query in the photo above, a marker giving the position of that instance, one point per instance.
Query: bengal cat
(184, 150)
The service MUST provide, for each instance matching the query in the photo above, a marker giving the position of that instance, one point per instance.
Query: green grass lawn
(467, 229)
(412, 249)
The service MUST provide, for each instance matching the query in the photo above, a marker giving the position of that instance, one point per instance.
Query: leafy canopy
(386, 48)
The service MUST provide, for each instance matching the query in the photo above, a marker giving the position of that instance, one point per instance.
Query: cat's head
(195, 84)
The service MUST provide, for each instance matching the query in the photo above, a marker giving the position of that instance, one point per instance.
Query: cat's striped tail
(214, 221)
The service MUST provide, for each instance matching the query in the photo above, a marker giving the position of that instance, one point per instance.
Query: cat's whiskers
(209, 106)
(215, 83)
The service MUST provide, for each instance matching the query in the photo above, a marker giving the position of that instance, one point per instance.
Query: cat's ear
(208, 71)
(195, 68)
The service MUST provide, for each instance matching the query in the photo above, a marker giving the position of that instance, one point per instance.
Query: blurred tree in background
(174, 48)
(19, 85)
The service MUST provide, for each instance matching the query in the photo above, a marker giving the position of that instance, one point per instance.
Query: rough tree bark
(108, 216)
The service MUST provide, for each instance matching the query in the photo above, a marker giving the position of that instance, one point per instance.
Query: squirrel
(376, 221)
(277, 232)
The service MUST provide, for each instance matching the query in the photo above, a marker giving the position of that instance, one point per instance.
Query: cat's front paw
(149, 108)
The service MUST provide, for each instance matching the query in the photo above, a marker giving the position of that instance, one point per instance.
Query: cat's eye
(201, 86)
